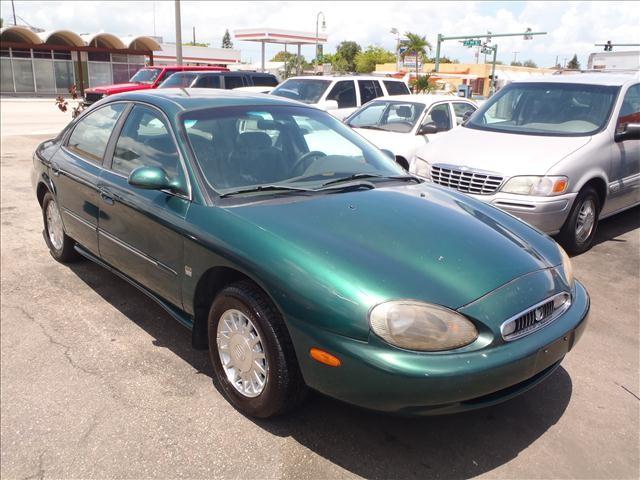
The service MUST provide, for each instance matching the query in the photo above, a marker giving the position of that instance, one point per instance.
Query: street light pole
(178, 34)
(396, 32)
(317, 32)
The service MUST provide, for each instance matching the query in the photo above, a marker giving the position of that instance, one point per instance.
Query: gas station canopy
(279, 36)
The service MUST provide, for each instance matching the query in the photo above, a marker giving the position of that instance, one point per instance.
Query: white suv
(340, 96)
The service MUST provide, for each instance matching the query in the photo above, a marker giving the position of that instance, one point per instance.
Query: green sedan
(302, 257)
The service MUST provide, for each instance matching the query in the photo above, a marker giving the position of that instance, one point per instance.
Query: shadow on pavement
(613, 227)
(367, 443)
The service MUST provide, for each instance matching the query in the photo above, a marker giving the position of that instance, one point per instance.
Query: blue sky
(573, 27)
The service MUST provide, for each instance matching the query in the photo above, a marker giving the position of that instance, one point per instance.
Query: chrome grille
(535, 317)
(467, 181)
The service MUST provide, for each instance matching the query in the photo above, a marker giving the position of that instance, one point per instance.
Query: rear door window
(264, 81)
(396, 88)
(232, 81)
(344, 92)
(440, 116)
(208, 81)
(369, 89)
(90, 136)
(460, 108)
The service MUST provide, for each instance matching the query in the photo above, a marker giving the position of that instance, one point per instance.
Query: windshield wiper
(370, 127)
(357, 176)
(265, 188)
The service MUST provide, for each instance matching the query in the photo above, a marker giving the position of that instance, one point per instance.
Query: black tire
(64, 252)
(568, 236)
(284, 387)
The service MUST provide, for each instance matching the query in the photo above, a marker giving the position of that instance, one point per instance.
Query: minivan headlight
(421, 326)
(535, 185)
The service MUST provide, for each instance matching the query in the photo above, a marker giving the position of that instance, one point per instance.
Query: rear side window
(344, 93)
(178, 80)
(396, 88)
(208, 81)
(264, 81)
(440, 116)
(630, 109)
(369, 89)
(232, 81)
(460, 108)
(145, 141)
(90, 136)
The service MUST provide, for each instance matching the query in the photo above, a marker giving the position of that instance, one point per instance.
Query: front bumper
(377, 376)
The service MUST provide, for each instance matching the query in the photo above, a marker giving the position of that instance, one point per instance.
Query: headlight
(420, 326)
(567, 268)
(539, 186)
(421, 168)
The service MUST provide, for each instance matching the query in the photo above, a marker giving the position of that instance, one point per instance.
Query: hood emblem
(539, 314)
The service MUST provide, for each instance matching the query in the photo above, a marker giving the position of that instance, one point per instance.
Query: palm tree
(416, 44)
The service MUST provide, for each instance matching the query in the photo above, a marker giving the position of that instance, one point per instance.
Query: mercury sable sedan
(307, 269)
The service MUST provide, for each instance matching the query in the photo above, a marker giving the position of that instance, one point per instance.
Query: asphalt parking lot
(98, 382)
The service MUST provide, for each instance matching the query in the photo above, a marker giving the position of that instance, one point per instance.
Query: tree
(290, 61)
(574, 64)
(226, 40)
(516, 64)
(347, 52)
(195, 44)
(366, 61)
(417, 45)
(530, 64)
(422, 84)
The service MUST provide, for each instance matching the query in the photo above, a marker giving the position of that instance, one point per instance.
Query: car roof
(216, 72)
(426, 98)
(592, 78)
(192, 98)
(345, 77)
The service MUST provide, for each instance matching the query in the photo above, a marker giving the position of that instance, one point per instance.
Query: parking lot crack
(39, 475)
(628, 391)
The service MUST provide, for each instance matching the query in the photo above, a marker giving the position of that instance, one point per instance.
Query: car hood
(399, 143)
(504, 153)
(357, 249)
(119, 88)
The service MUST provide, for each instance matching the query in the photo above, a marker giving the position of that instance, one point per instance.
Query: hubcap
(586, 220)
(241, 353)
(54, 225)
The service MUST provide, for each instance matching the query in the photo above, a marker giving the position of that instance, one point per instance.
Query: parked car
(404, 123)
(144, 79)
(339, 95)
(560, 152)
(265, 90)
(224, 80)
(301, 268)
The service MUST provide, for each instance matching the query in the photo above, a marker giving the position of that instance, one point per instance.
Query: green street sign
(471, 42)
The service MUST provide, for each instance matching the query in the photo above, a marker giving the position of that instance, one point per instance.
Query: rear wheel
(60, 245)
(579, 230)
(252, 354)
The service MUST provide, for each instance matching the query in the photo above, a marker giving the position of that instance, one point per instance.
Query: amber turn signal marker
(324, 357)
(560, 186)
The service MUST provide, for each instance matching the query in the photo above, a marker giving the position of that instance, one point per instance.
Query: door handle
(106, 198)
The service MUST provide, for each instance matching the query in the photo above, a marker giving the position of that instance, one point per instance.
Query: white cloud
(573, 26)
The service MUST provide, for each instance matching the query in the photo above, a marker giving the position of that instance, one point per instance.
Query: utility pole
(154, 19)
(194, 36)
(396, 32)
(178, 34)
(515, 56)
(324, 25)
(13, 9)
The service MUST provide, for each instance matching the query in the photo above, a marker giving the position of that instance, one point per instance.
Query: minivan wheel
(252, 355)
(60, 245)
(579, 230)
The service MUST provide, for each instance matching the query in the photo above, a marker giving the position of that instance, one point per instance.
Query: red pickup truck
(144, 79)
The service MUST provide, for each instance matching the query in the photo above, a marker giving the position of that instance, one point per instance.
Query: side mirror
(151, 178)
(427, 130)
(631, 132)
(388, 153)
(329, 105)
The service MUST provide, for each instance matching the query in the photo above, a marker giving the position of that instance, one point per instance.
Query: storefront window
(64, 75)
(23, 74)
(6, 81)
(99, 74)
(44, 75)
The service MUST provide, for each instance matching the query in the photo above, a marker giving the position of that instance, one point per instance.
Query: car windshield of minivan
(303, 90)
(146, 75)
(178, 80)
(390, 116)
(558, 109)
(269, 148)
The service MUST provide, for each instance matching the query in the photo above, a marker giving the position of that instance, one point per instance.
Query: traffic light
(608, 47)
(526, 34)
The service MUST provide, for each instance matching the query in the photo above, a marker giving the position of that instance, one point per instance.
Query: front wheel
(252, 354)
(60, 245)
(579, 230)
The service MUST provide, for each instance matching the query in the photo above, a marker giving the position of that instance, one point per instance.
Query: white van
(559, 151)
(339, 95)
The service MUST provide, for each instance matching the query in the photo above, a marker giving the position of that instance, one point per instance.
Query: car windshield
(238, 148)
(392, 116)
(145, 75)
(178, 80)
(302, 89)
(558, 109)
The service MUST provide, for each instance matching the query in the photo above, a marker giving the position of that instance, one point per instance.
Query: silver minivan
(560, 152)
